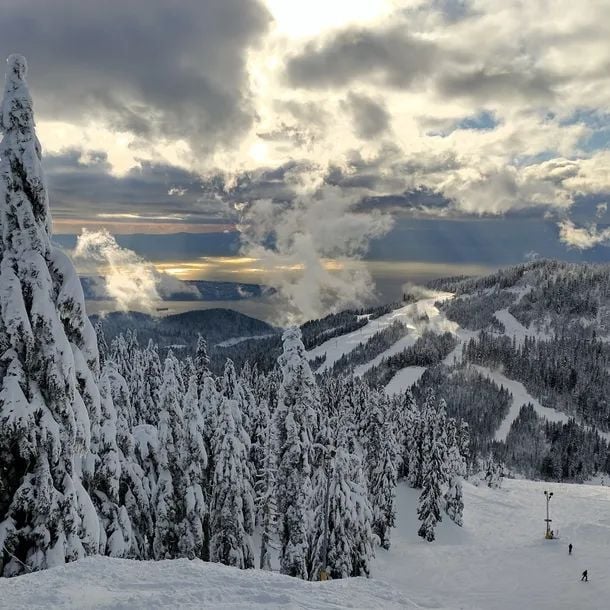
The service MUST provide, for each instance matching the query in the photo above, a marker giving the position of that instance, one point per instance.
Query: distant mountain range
(195, 290)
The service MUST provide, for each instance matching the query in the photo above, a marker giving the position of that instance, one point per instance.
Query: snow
(236, 340)
(404, 379)
(400, 345)
(102, 582)
(514, 328)
(521, 397)
(500, 560)
(409, 315)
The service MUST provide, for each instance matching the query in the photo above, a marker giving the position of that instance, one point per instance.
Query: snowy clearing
(404, 379)
(521, 397)
(400, 345)
(411, 315)
(236, 340)
(500, 560)
(514, 328)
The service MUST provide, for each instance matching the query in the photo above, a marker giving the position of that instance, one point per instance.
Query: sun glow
(303, 19)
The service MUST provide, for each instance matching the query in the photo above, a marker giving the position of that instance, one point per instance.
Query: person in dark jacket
(585, 576)
(570, 548)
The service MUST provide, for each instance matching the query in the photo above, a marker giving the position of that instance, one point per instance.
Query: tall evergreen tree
(232, 507)
(381, 459)
(455, 470)
(433, 480)
(48, 364)
(296, 421)
(195, 461)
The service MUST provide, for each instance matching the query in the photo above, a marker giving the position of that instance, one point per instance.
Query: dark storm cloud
(82, 187)
(155, 68)
(393, 56)
(370, 118)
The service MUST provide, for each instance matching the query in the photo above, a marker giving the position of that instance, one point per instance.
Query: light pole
(548, 496)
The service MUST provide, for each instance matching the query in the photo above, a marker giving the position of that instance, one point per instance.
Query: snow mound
(102, 582)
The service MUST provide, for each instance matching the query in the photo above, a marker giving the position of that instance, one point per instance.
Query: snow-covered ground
(410, 315)
(236, 340)
(404, 379)
(101, 582)
(499, 560)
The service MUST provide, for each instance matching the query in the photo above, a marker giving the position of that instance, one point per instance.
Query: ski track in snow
(405, 378)
(514, 328)
(338, 346)
(236, 340)
(521, 397)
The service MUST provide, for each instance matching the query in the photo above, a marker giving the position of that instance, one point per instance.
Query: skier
(570, 549)
(585, 576)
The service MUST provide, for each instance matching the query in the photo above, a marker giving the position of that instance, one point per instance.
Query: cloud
(371, 118)
(583, 238)
(391, 57)
(300, 238)
(82, 186)
(153, 69)
(126, 278)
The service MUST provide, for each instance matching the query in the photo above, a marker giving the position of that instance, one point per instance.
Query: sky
(312, 145)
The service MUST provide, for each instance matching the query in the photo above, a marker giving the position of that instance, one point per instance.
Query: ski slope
(500, 560)
(520, 397)
(404, 379)
(410, 315)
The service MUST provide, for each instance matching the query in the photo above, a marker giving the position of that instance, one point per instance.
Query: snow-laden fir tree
(413, 448)
(195, 461)
(202, 362)
(135, 487)
(152, 379)
(233, 388)
(433, 467)
(48, 363)
(494, 473)
(381, 460)
(169, 491)
(209, 407)
(296, 422)
(265, 488)
(343, 515)
(232, 503)
(455, 471)
(106, 484)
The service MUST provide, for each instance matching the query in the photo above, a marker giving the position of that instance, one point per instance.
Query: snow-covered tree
(48, 363)
(107, 480)
(265, 488)
(169, 491)
(434, 476)
(381, 460)
(455, 469)
(232, 503)
(195, 461)
(296, 421)
(343, 516)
